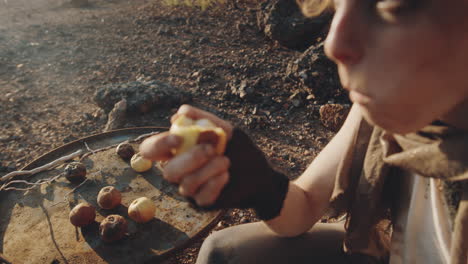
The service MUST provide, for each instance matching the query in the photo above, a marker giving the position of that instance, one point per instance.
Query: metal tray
(34, 225)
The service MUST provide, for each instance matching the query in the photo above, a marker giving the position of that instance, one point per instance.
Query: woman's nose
(346, 38)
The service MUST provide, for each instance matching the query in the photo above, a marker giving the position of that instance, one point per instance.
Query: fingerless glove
(253, 183)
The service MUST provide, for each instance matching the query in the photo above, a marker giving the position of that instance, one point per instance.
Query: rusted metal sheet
(34, 226)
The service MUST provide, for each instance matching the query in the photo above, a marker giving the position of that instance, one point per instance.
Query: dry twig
(146, 135)
(48, 166)
(5, 187)
(45, 167)
(88, 148)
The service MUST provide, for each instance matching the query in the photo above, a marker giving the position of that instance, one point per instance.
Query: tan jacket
(366, 186)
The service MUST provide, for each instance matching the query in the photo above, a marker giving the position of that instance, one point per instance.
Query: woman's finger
(196, 113)
(190, 184)
(188, 162)
(159, 147)
(210, 191)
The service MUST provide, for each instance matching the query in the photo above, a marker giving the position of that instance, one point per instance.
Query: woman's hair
(312, 8)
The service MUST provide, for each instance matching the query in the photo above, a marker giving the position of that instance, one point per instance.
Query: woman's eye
(393, 6)
(393, 9)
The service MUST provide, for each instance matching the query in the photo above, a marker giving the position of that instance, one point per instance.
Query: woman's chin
(403, 125)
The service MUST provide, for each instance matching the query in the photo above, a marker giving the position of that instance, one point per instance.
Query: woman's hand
(240, 178)
(199, 172)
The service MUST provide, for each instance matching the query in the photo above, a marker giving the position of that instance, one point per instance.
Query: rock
(241, 27)
(3, 168)
(87, 116)
(244, 89)
(203, 40)
(164, 30)
(221, 224)
(196, 74)
(283, 21)
(99, 115)
(203, 76)
(69, 138)
(317, 76)
(117, 116)
(333, 116)
(296, 102)
(188, 43)
(297, 99)
(79, 3)
(141, 96)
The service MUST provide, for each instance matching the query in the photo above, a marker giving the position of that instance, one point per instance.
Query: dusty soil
(54, 56)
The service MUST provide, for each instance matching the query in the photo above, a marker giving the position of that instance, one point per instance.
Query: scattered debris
(244, 89)
(333, 116)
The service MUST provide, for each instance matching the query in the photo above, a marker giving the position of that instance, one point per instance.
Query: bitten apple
(201, 131)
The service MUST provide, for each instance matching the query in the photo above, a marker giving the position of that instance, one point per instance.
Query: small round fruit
(113, 228)
(140, 164)
(142, 210)
(194, 132)
(109, 197)
(82, 214)
(75, 172)
(125, 151)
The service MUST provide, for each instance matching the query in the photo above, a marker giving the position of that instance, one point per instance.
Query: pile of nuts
(114, 227)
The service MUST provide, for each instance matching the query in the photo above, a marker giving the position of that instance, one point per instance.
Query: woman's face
(405, 62)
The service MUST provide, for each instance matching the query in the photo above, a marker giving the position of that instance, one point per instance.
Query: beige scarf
(367, 183)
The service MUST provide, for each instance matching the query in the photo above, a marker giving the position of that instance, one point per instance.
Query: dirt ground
(54, 56)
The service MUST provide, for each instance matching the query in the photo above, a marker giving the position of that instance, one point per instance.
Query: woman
(388, 169)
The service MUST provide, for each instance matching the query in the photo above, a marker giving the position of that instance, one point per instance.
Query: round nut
(125, 151)
(109, 197)
(140, 164)
(82, 214)
(113, 228)
(75, 172)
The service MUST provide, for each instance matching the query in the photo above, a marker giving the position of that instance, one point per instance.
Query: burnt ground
(54, 56)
